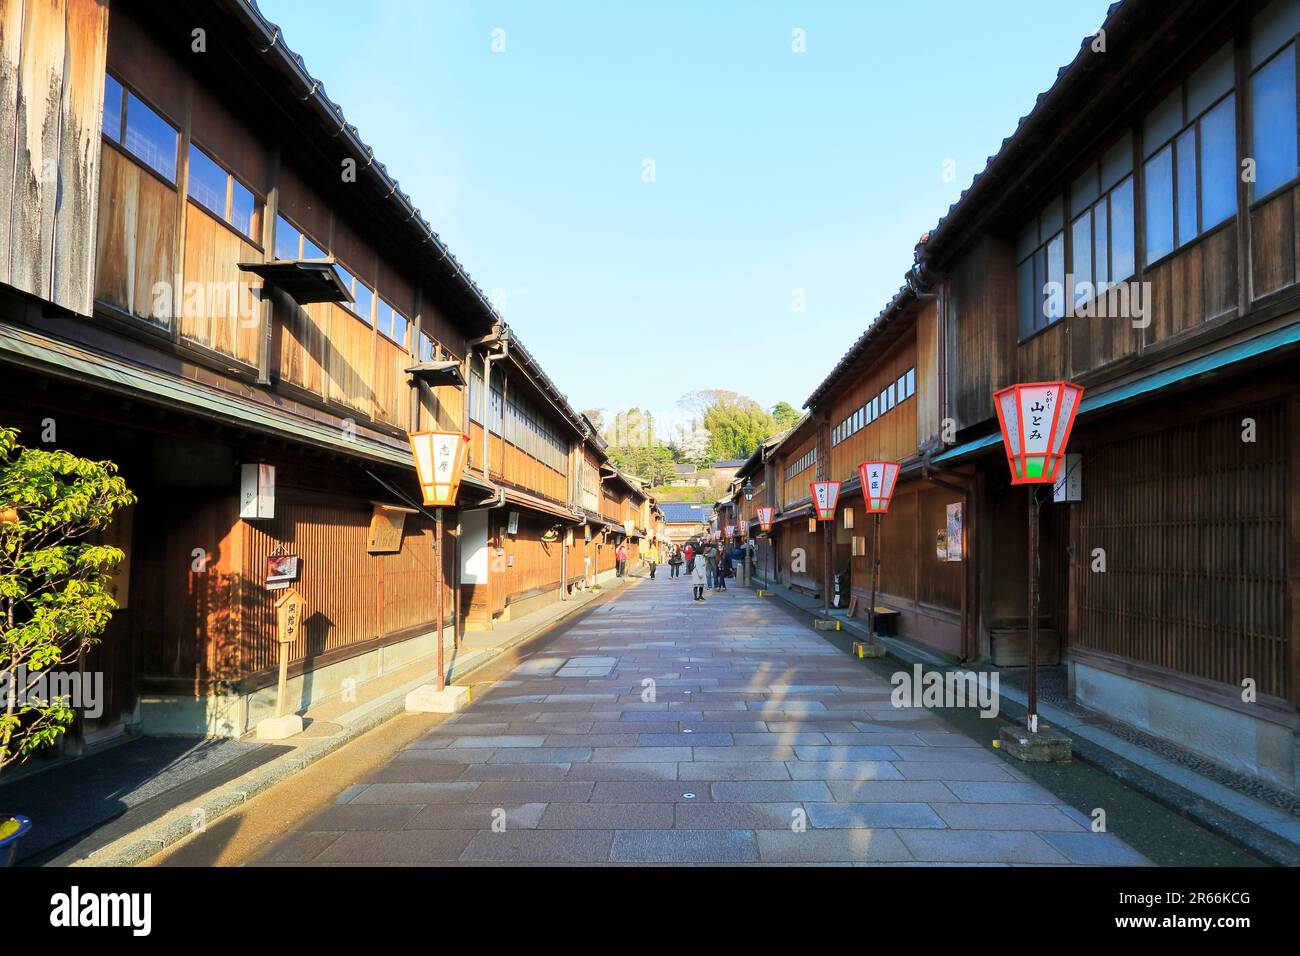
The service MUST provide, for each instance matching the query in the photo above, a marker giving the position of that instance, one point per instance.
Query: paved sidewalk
(660, 730)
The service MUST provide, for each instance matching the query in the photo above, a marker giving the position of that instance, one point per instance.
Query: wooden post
(437, 583)
(1032, 689)
(875, 581)
(288, 619)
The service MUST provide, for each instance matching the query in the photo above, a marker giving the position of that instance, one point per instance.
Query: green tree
(736, 426)
(785, 415)
(55, 597)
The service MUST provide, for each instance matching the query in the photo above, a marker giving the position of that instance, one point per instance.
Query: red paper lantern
(878, 479)
(765, 516)
(825, 495)
(1036, 419)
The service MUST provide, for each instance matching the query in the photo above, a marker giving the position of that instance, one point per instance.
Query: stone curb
(158, 835)
(1212, 816)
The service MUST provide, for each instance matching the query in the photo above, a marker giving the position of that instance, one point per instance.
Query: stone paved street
(757, 742)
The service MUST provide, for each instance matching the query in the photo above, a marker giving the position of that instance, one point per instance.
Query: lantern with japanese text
(439, 463)
(878, 479)
(1036, 419)
(765, 516)
(825, 495)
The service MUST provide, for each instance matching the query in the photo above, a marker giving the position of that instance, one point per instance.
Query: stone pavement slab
(661, 730)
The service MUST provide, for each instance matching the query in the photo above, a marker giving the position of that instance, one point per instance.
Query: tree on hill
(785, 415)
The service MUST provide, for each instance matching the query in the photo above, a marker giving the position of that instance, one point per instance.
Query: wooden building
(207, 277)
(1139, 234)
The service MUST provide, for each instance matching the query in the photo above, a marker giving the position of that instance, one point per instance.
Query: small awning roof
(523, 499)
(303, 280)
(1284, 337)
(438, 373)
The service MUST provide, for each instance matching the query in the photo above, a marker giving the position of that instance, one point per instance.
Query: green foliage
(785, 415)
(54, 582)
(654, 463)
(736, 426)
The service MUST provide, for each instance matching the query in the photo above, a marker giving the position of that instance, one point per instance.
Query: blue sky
(773, 171)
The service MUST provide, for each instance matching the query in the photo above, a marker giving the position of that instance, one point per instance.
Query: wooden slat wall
(532, 565)
(392, 395)
(893, 435)
(52, 55)
(1193, 522)
(1273, 242)
(135, 246)
(303, 342)
(351, 360)
(796, 488)
(928, 412)
(226, 314)
(982, 311)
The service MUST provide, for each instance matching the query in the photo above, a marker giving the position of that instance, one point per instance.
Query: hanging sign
(1069, 483)
(386, 525)
(765, 516)
(953, 532)
(256, 491)
(512, 523)
(825, 495)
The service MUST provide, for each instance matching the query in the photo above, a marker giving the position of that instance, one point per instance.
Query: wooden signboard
(386, 525)
(288, 616)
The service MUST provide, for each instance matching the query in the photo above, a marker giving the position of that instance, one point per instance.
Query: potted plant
(55, 597)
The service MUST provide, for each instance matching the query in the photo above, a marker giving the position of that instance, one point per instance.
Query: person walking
(711, 566)
(724, 568)
(698, 580)
(675, 562)
(652, 559)
(690, 558)
(620, 561)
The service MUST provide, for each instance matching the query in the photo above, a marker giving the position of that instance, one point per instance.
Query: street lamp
(748, 490)
(439, 464)
(825, 495)
(878, 479)
(1035, 419)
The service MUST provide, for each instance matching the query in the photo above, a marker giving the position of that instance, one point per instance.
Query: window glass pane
(399, 328)
(207, 183)
(1052, 218)
(286, 239)
(1084, 191)
(1163, 122)
(1122, 232)
(384, 318)
(1081, 257)
(150, 138)
(310, 250)
(112, 109)
(1027, 242)
(1158, 176)
(1117, 162)
(1277, 24)
(245, 210)
(1210, 82)
(364, 299)
(1185, 147)
(1056, 277)
(1273, 123)
(1100, 246)
(346, 277)
(1219, 163)
(911, 381)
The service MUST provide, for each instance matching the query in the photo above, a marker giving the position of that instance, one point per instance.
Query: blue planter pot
(9, 845)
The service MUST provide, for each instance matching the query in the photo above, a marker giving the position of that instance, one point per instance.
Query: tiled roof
(729, 463)
(686, 513)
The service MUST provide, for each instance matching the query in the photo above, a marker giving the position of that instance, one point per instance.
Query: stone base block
(822, 624)
(1047, 746)
(429, 700)
(866, 649)
(278, 728)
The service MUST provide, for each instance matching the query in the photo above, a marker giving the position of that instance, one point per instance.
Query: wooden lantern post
(825, 496)
(439, 463)
(288, 620)
(1036, 419)
(877, 479)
